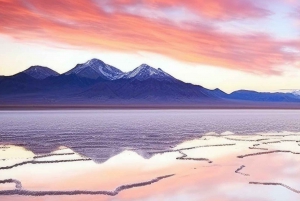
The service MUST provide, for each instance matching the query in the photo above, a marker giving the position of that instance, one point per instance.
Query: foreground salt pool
(223, 166)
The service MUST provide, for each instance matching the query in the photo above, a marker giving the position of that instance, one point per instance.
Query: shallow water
(100, 134)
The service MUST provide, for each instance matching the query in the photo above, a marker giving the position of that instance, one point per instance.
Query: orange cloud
(87, 24)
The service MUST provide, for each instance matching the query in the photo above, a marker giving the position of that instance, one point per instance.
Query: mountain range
(96, 83)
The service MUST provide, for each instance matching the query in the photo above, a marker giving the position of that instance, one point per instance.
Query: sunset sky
(229, 44)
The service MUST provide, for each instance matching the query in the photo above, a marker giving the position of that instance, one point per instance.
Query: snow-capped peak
(144, 72)
(40, 72)
(95, 68)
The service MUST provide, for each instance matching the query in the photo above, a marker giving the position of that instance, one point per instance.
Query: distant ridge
(97, 83)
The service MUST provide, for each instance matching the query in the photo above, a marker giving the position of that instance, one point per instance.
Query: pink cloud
(84, 23)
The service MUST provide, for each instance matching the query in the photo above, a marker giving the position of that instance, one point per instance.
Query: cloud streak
(214, 9)
(110, 26)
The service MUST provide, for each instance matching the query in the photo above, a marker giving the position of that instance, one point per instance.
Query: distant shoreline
(271, 106)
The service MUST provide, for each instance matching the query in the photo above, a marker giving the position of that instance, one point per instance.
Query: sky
(226, 44)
